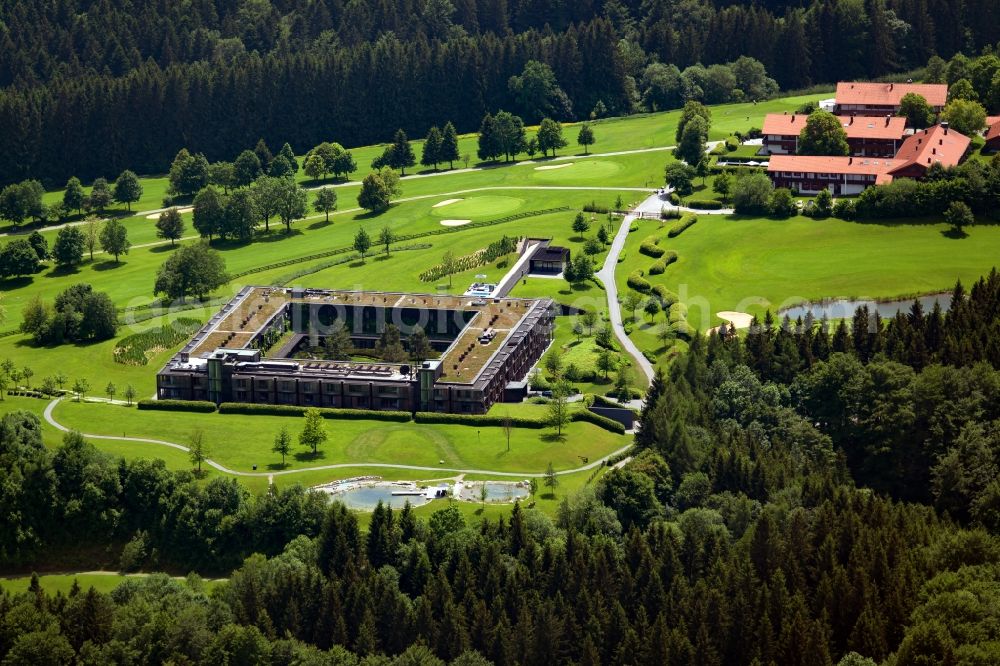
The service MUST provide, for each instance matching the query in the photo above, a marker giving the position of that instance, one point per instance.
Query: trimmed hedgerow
(704, 204)
(685, 222)
(667, 297)
(660, 266)
(201, 406)
(649, 247)
(598, 420)
(476, 420)
(253, 409)
(638, 282)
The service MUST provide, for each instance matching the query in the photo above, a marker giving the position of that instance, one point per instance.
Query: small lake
(504, 492)
(365, 498)
(843, 308)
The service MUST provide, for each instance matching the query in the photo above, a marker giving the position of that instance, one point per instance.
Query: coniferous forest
(82, 83)
(805, 495)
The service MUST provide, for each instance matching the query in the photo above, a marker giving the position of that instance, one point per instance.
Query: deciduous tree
(114, 238)
(169, 225)
(128, 189)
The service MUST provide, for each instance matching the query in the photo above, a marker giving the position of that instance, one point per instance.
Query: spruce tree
(449, 145)
(432, 148)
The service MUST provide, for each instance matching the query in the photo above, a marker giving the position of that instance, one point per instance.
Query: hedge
(675, 199)
(201, 406)
(253, 409)
(683, 330)
(677, 312)
(603, 401)
(649, 248)
(667, 297)
(718, 149)
(704, 204)
(477, 420)
(732, 143)
(594, 207)
(598, 420)
(669, 213)
(637, 282)
(660, 266)
(685, 222)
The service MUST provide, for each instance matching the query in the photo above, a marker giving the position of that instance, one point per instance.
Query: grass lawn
(751, 265)
(105, 581)
(239, 442)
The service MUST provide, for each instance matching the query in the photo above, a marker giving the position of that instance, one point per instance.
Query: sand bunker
(737, 319)
(185, 209)
(454, 223)
(549, 167)
(446, 202)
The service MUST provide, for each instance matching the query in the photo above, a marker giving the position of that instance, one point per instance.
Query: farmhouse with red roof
(867, 136)
(879, 99)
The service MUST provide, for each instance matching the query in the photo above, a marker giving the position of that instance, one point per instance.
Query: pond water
(365, 498)
(496, 491)
(843, 308)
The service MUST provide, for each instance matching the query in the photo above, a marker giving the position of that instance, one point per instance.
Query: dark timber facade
(484, 345)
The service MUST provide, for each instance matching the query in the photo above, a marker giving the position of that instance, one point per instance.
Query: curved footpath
(607, 276)
(225, 470)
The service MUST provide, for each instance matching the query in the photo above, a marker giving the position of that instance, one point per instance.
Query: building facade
(484, 344)
(867, 136)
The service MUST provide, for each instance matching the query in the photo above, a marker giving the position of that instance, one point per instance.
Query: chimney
(890, 86)
(928, 160)
(887, 121)
(933, 151)
(940, 142)
(852, 121)
(850, 160)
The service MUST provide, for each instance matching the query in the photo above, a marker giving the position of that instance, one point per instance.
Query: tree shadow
(549, 495)
(62, 271)
(954, 233)
(320, 224)
(381, 257)
(553, 437)
(109, 265)
(278, 466)
(306, 456)
(166, 247)
(11, 284)
(356, 264)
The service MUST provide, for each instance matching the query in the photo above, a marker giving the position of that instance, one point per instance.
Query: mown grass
(239, 442)
(62, 583)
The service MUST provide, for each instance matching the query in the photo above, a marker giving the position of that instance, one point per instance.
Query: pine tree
(433, 145)
(401, 152)
(449, 145)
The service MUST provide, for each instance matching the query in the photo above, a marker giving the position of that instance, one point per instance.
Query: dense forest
(805, 494)
(82, 84)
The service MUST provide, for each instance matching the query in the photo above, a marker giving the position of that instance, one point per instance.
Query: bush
(667, 297)
(677, 312)
(686, 221)
(638, 282)
(594, 207)
(704, 204)
(660, 266)
(650, 249)
(718, 150)
(252, 409)
(674, 199)
(598, 420)
(844, 209)
(480, 420)
(683, 330)
(732, 143)
(669, 214)
(753, 133)
(200, 406)
(633, 227)
(782, 204)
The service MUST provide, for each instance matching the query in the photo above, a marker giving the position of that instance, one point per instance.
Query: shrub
(686, 221)
(674, 199)
(633, 227)
(134, 349)
(732, 143)
(480, 420)
(677, 312)
(718, 150)
(650, 249)
(201, 406)
(753, 133)
(638, 282)
(704, 204)
(844, 209)
(660, 266)
(598, 420)
(594, 207)
(683, 330)
(667, 297)
(252, 409)
(669, 213)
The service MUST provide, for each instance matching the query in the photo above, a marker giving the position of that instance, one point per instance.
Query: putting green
(479, 208)
(586, 170)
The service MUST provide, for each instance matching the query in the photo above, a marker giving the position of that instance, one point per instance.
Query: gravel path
(225, 470)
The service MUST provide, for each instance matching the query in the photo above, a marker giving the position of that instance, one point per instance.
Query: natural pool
(843, 308)
(496, 491)
(364, 493)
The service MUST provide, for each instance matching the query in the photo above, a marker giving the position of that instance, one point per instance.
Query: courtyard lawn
(350, 441)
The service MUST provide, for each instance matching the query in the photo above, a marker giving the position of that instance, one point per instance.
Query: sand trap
(185, 209)
(446, 202)
(454, 223)
(549, 167)
(737, 319)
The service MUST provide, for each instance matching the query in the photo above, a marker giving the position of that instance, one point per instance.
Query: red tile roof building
(841, 175)
(993, 134)
(851, 175)
(866, 135)
(863, 98)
